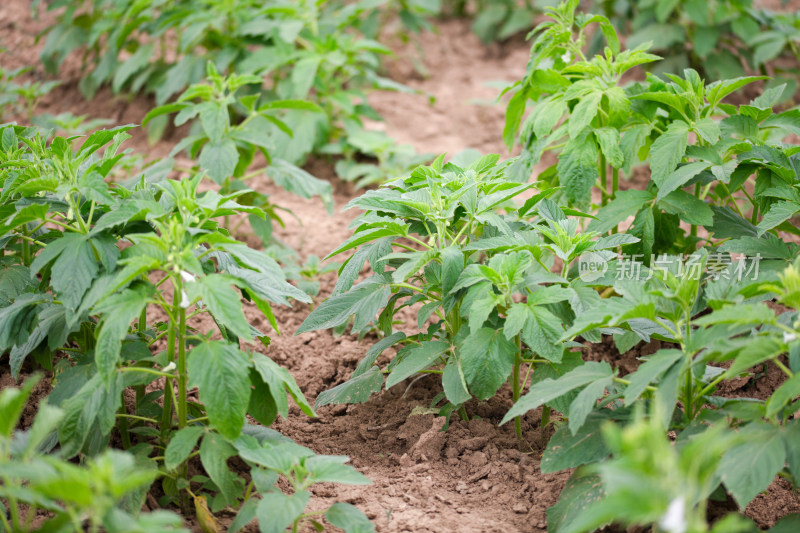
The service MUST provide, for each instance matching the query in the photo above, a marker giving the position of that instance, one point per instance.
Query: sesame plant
(705, 154)
(365, 146)
(225, 145)
(495, 21)
(740, 332)
(129, 281)
(720, 39)
(106, 492)
(452, 242)
(305, 49)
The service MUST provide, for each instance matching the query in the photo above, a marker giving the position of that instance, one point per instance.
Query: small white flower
(674, 520)
(184, 299)
(169, 368)
(188, 277)
(788, 337)
(567, 57)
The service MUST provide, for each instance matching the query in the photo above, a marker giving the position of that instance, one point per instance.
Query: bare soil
(476, 477)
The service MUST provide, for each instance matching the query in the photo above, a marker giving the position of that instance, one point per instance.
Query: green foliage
(390, 159)
(741, 443)
(20, 98)
(496, 20)
(721, 39)
(87, 261)
(106, 492)
(452, 241)
(306, 50)
(583, 110)
(225, 150)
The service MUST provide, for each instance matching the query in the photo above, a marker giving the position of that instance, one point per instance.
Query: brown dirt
(474, 477)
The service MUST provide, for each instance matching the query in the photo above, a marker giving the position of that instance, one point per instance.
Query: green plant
(582, 111)
(70, 285)
(740, 330)
(108, 491)
(496, 20)
(450, 240)
(225, 147)
(581, 108)
(308, 274)
(392, 159)
(662, 484)
(720, 39)
(305, 48)
(20, 98)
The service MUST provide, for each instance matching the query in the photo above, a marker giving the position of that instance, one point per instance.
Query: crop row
(127, 283)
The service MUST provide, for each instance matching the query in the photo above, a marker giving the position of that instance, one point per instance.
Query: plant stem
(544, 423)
(614, 182)
(515, 384)
(137, 417)
(182, 375)
(123, 425)
(693, 229)
(166, 413)
(603, 176)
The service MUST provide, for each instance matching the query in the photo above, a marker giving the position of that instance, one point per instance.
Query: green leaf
(12, 403)
(716, 91)
(748, 468)
(787, 392)
(14, 280)
(565, 450)
(650, 371)
(542, 333)
(219, 159)
(74, 269)
(297, 181)
(584, 112)
(332, 469)
(277, 511)
(454, 383)
(550, 389)
(738, 314)
(486, 358)
(514, 111)
(547, 116)
(220, 370)
(626, 204)
(414, 358)
(280, 382)
(246, 514)
(93, 407)
(370, 234)
(609, 141)
(349, 518)
(303, 74)
(337, 309)
(777, 214)
(688, 207)
(708, 129)
(224, 302)
(516, 316)
(679, 177)
(118, 311)
(580, 494)
(215, 120)
(577, 168)
(355, 390)
(667, 151)
(181, 445)
(585, 402)
(214, 454)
